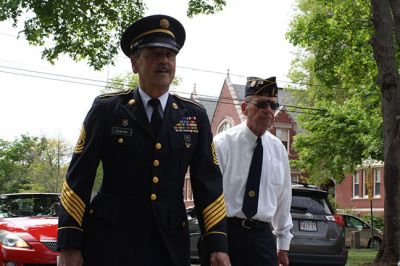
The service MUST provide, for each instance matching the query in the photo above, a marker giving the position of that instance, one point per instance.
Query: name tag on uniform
(121, 131)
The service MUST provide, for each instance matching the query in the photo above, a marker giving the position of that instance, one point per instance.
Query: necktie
(250, 200)
(155, 117)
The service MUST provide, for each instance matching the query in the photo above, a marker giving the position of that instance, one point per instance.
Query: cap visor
(160, 45)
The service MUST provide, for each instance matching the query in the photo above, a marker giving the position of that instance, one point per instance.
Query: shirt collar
(249, 135)
(146, 98)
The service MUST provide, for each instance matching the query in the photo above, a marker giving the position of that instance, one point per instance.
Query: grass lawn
(359, 257)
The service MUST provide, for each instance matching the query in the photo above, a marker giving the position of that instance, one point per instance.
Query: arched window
(225, 124)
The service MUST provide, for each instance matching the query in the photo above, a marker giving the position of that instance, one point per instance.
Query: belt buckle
(244, 224)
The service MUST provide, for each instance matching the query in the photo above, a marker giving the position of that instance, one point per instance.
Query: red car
(28, 229)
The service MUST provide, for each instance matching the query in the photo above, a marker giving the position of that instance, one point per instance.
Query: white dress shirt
(234, 148)
(149, 109)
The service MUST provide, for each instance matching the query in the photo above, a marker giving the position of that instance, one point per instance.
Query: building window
(226, 123)
(377, 182)
(356, 185)
(283, 135)
(364, 181)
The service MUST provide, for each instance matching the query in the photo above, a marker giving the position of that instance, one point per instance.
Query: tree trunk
(383, 44)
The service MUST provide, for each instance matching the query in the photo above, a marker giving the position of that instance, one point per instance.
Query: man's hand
(283, 259)
(70, 257)
(219, 259)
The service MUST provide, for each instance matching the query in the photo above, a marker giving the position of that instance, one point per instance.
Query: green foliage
(48, 171)
(32, 164)
(378, 221)
(336, 67)
(332, 201)
(204, 7)
(85, 29)
(16, 158)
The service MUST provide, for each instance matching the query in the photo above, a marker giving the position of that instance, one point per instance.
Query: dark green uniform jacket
(143, 178)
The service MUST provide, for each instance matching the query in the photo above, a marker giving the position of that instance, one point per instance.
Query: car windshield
(24, 205)
(309, 204)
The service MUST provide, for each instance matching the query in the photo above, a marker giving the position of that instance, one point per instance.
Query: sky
(246, 39)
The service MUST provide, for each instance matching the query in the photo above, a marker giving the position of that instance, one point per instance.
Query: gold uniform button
(153, 196)
(120, 140)
(252, 193)
(155, 180)
(156, 163)
(131, 102)
(158, 146)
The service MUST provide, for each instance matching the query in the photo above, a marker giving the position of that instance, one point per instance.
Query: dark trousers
(158, 254)
(251, 246)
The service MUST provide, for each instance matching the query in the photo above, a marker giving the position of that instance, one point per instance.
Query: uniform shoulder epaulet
(110, 94)
(189, 100)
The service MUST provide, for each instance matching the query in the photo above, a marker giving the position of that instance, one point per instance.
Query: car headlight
(9, 239)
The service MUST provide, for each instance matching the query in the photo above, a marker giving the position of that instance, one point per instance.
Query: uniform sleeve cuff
(215, 242)
(69, 238)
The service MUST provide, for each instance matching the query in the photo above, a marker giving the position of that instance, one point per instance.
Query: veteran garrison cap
(264, 87)
(153, 31)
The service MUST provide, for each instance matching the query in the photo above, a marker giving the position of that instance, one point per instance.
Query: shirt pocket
(276, 176)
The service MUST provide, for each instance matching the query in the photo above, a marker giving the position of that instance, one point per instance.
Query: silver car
(319, 234)
(354, 224)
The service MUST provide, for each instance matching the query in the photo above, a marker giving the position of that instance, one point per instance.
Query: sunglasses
(265, 104)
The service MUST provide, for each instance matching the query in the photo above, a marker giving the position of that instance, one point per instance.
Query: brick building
(352, 192)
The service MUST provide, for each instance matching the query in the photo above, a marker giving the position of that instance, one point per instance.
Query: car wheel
(376, 243)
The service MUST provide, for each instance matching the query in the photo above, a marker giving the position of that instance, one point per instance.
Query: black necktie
(155, 117)
(250, 200)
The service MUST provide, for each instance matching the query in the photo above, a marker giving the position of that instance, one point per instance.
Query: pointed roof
(209, 103)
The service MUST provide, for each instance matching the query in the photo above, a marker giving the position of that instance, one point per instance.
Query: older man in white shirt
(256, 181)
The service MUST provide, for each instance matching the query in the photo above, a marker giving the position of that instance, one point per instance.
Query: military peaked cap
(263, 87)
(153, 31)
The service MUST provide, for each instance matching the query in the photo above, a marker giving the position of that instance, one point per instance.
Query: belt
(248, 223)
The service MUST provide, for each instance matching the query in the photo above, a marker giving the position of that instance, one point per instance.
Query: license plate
(308, 226)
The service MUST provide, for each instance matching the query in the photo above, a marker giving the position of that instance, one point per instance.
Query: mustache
(162, 68)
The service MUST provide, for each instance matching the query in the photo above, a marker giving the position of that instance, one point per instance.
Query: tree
(48, 170)
(84, 29)
(16, 158)
(360, 118)
(33, 164)
(336, 66)
(385, 43)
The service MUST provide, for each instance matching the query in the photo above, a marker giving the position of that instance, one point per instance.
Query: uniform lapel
(134, 108)
(172, 114)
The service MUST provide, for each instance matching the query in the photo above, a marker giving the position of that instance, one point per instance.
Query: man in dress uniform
(256, 181)
(146, 139)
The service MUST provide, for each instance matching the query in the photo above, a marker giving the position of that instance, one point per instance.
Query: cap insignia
(253, 83)
(164, 23)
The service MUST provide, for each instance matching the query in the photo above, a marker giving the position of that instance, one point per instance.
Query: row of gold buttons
(156, 163)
